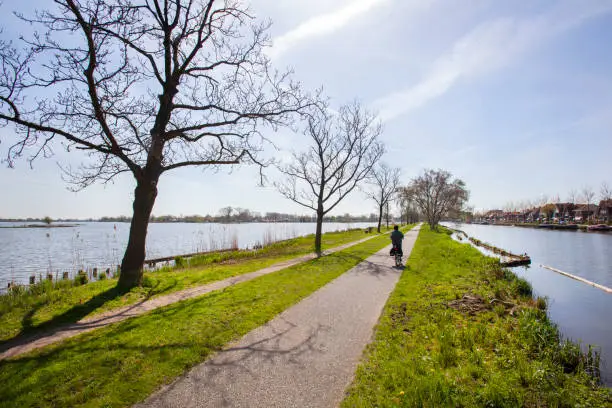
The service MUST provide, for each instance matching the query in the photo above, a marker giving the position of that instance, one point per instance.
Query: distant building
(564, 212)
(585, 212)
(605, 211)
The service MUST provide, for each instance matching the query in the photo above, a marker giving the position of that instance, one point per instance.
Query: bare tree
(588, 194)
(226, 213)
(344, 149)
(605, 191)
(409, 209)
(144, 87)
(243, 214)
(437, 194)
(385, 181)
(572, 196)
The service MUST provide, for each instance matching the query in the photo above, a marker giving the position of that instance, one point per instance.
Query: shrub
(523, 288)
(102, 276)
(541, 303)
(180, 262)
(81, 278)
(44, 286)
(149, 282)
(569, 356)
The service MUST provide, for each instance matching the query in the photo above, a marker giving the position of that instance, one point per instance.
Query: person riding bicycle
(396, 239)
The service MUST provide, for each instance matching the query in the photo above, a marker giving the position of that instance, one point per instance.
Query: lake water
(27, 251)
(581, 311)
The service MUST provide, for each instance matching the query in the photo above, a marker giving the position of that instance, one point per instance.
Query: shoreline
(561, 227)
(39, 226)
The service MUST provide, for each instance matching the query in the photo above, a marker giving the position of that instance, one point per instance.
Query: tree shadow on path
(64, 321)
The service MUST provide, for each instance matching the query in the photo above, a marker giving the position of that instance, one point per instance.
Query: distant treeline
(46, 220)
(226, 215)
(242, 215)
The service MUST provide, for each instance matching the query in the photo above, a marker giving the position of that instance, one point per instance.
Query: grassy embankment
(127, 361)
(496, 347)
(49, 304)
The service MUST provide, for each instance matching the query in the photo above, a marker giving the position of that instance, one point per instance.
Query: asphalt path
(305, 357)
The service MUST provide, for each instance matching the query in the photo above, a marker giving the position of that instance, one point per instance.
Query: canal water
(582, 312)
(38, 251)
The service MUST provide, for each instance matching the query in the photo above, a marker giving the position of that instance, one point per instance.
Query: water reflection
(581, 311)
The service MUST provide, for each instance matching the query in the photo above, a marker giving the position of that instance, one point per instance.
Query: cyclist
(396, 239)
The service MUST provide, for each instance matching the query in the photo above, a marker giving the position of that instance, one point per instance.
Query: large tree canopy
(144, 87)
(437, 194)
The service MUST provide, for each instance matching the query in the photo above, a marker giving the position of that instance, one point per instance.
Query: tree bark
(133, 259)
(318, 233)
(380, 214)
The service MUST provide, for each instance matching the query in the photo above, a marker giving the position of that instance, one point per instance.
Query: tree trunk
(318, 233)
(387, 215)
(380, 214)
(133, 259)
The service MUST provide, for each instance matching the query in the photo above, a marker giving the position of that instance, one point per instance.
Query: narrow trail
(305, 357)
(24, 344)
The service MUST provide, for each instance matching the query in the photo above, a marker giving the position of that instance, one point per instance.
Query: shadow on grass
(43, 378)
(30, 332)
(69, 321)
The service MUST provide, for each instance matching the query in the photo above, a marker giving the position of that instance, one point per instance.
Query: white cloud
(489, 46)
(322, 24)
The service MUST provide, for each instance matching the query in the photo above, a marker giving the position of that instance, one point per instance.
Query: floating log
(578, 278)
(521, 261)
(512, 259)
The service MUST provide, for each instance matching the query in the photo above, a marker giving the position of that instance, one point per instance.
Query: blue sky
(513, 97)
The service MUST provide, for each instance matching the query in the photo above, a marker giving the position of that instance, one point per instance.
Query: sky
(515, 98)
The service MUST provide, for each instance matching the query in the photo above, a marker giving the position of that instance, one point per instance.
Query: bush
(569, 356)
(523, 288)
(180, 262)
(149, 282)
(44, 286)
(81, 278)
(102, 276)
(541, 303)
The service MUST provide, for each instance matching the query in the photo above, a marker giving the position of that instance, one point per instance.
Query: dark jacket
(396, 238)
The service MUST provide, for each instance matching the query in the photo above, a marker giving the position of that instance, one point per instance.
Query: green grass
(127, 361)
(50, 304)
(427, 354)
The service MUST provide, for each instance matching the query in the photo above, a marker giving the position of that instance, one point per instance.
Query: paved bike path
(31, 342)
(305, 357)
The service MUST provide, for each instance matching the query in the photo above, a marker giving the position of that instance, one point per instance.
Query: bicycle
(398, 256)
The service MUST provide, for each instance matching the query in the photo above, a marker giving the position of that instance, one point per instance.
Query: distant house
(585, 212)
(605, 211)
(494, 216)
(564, 212)
(533, 215)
